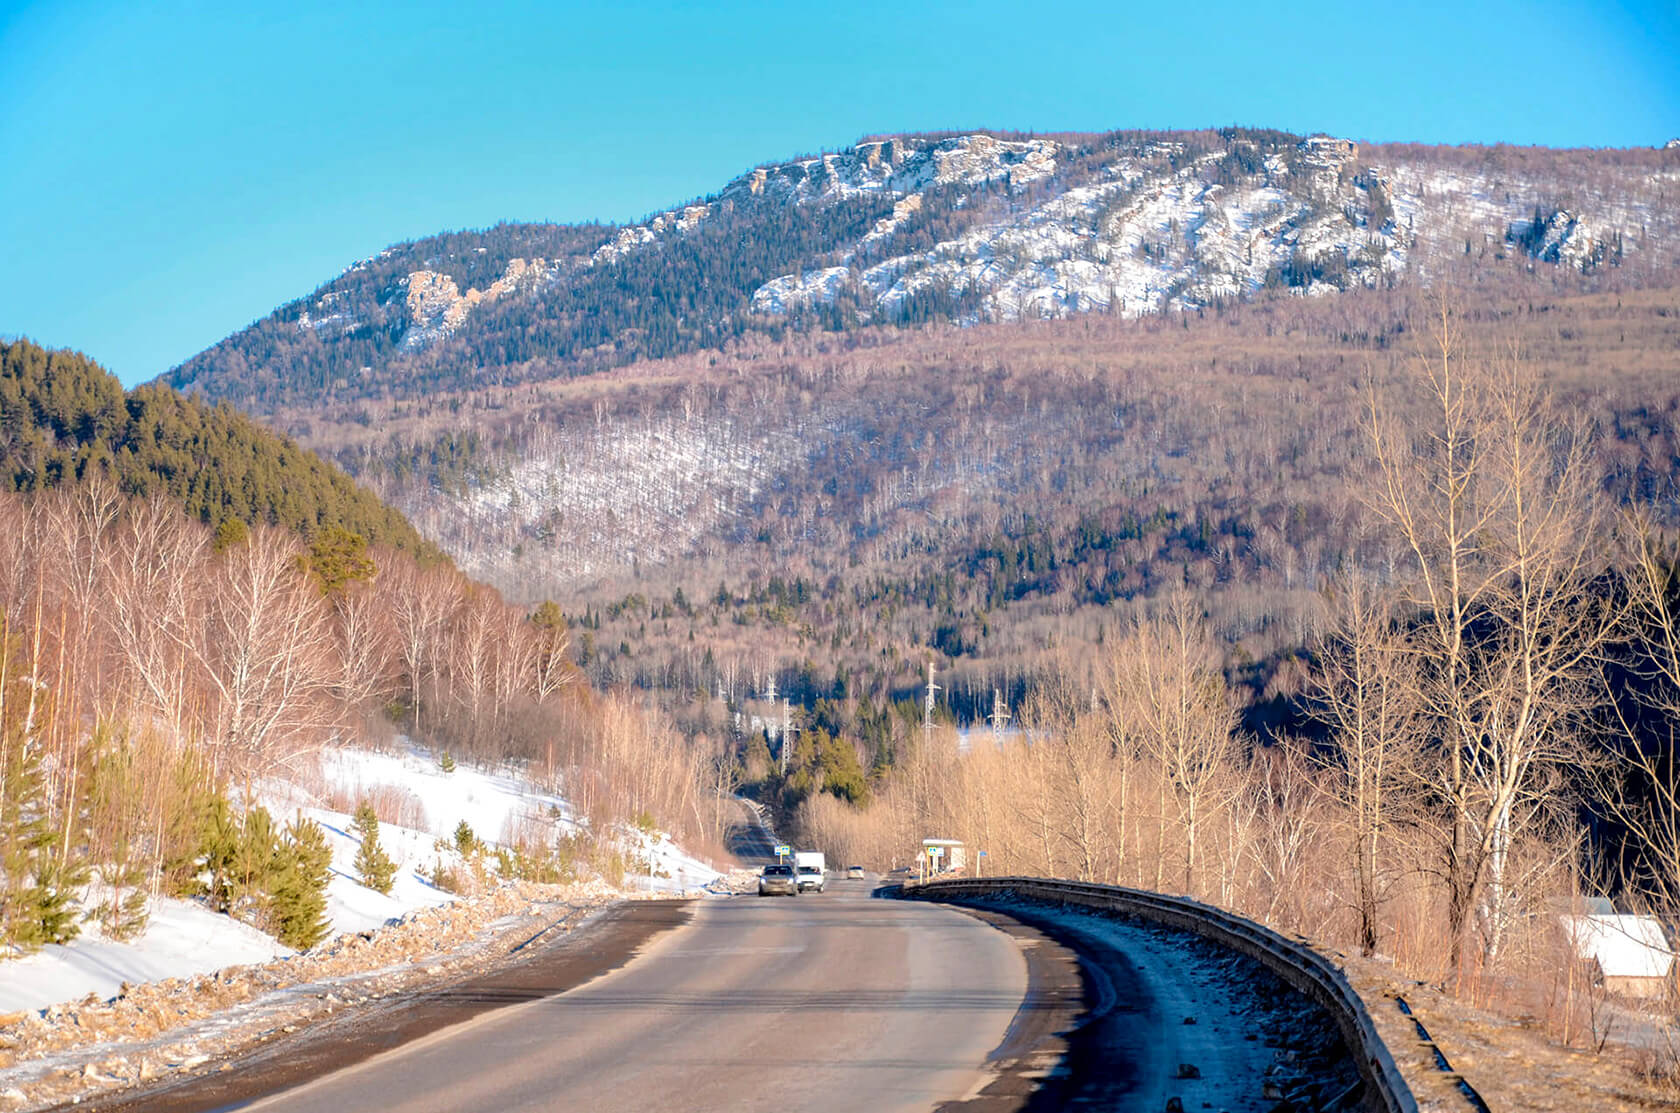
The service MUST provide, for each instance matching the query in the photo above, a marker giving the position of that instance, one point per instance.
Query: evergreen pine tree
(373, 865)
(219, 845)
(50, 906)
(261, 856)
(297, 899)
(116, 825)
(37, 892)
(181, 829)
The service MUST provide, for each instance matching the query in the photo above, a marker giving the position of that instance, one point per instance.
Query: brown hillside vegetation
(1431, 534)
(986, 495)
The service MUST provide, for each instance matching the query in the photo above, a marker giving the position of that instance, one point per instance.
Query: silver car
(778, 880)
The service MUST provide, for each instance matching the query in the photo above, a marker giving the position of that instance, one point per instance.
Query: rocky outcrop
(436, 306)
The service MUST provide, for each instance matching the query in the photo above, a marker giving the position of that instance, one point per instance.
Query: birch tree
(1176, 697)
(266, 651)
(1488, 495)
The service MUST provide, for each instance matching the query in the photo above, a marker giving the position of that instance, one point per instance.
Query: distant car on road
(811, 877)
(778, 879)
(854, 873)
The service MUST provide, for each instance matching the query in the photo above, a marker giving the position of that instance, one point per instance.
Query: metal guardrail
(1295, 963)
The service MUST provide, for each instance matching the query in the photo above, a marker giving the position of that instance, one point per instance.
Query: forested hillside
(64, 419)
(834, 512)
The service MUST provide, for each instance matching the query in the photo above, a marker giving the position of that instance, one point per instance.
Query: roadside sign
(936, 851)
(783, 850)
(981, 853)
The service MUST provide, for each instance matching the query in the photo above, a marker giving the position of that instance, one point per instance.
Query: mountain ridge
(961, 227)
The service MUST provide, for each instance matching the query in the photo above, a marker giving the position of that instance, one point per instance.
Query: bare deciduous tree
(1367, 693)
(266, 651)
(1490, 498)
(1175, 694)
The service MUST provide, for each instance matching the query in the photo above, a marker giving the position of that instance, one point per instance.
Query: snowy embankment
(181, 939)
(184, 939)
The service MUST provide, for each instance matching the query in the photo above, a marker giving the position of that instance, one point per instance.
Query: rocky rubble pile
(68, 1051)
(734, 882)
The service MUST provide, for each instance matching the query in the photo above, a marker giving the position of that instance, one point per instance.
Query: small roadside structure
(1629, 954)
(943, 856)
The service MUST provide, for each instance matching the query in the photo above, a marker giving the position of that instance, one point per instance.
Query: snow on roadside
(673, 869)
(181, 939)
(492, 803)
(184, 939)
(183, 1024)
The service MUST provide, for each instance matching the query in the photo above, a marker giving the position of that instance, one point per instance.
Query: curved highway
(829, 1001)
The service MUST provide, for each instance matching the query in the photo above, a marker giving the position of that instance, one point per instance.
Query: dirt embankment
(1508, 1061)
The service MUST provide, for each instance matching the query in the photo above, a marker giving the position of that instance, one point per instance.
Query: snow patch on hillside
(671, 480)
(793, 293)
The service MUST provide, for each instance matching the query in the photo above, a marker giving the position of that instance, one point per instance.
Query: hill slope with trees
(65, 419)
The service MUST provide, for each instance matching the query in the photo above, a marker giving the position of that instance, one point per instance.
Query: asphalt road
(748, 839)
(828, 1001)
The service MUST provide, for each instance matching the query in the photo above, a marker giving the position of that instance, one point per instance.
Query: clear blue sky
(174, 171)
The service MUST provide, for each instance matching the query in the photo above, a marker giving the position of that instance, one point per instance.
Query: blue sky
(175, 170)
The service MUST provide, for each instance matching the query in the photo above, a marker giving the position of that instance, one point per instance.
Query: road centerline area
(829, 1001)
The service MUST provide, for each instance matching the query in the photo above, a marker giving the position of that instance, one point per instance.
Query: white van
(810, 866)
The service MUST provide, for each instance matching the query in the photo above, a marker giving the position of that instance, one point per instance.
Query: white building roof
(1624, 946)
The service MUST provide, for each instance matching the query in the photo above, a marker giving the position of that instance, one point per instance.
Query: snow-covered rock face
(1144, 235)
(1151, 229)
(435, 305)
(794, 293)
(979, 227)
(902, 166)
(1564, 238)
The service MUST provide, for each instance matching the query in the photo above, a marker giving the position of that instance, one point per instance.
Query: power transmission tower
(927, 706)
(999, 716)
(788, 731)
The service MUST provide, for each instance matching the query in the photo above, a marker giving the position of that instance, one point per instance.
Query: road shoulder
(605, 943)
